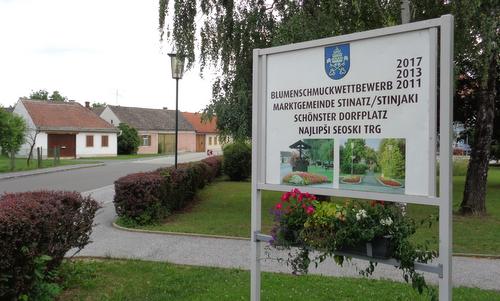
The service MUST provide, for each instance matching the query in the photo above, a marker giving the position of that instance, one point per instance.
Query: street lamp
(177, 65)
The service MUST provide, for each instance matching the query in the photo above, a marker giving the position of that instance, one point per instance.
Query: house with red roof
(69, 126)
(207, 137)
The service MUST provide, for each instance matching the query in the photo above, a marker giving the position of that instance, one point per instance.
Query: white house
(68, 125)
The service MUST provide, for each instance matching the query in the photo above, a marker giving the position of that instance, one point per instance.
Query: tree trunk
(474, 200)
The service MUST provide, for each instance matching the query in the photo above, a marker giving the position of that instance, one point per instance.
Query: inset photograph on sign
(375, 165)
(308, 162)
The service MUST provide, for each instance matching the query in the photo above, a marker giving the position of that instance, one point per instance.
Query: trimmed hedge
(237, 161)
(137, 196)
(36, 224)
(145, 198)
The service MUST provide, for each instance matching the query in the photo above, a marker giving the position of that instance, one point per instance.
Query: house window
(209, 140)
(146, 140)
(90, 141)
(111, 121)
(215, 140)
(104, 141)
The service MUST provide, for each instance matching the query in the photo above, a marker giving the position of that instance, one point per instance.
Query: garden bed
(351, 180)
(300, 178)
(389, 182)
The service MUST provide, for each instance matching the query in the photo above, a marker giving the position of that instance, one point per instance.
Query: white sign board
(356, 116)
(354, 99)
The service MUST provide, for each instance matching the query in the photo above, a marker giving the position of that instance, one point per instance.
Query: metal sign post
(263, 178)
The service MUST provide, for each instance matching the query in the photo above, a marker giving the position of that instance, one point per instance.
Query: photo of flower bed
(351, 180)
(375, 165)
(308, 162)
(304, 178)
(389, 182)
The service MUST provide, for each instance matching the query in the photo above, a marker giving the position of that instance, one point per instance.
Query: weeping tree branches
(227, 32)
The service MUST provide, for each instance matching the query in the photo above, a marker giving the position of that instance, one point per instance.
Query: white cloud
(88, 50)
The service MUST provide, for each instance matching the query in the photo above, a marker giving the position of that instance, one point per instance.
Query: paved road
(90, 178)
(232, 253)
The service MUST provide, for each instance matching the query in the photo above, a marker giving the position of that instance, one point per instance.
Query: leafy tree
(99, 104)
(477, 36)
(392, 159)
(128, 140)
(44, 95)
(39, 95)
(56, 96)
(231, 30)
(12, 131)
(321, 149)
(353, 147)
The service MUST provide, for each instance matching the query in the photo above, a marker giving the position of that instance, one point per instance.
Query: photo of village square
(376, 165)
(308, 162)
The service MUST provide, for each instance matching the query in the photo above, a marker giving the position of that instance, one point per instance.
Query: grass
(21, 165)
(125, 280)
(225, 210)
(321, 171)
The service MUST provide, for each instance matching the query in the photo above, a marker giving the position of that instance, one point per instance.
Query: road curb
(178, 233)
(49, 170)
(472, 255)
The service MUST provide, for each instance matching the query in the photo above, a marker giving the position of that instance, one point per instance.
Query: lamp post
(177, 65)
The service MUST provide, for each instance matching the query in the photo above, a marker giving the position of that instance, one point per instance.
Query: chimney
(165, 108)
(87, 104)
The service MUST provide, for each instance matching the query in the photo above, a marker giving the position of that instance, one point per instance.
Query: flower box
(380, 248)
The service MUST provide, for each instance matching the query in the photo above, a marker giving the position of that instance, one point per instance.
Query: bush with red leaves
(137, 197)
(145, 198)
(33, 224)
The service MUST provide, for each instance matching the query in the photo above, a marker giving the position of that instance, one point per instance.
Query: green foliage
(326, 227)
(99, 104)
(392, 158)
(237, 160)
(12, 132)
(39, 95)
(56, 96)
(45, 287)
(229, 31)
(128, 140)
(44, 95)
(356, 148)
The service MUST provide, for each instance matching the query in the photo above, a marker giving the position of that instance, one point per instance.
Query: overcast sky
(88, 50)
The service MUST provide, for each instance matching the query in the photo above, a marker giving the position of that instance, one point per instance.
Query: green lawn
(224, 209)
(124, 280)
(21, 163)
(321, 171)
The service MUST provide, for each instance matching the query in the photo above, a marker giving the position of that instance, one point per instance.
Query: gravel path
(231, 253)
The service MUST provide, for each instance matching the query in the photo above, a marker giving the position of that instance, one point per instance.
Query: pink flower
(278, 206)
(301, 196)
(310, 210)
(285, 197)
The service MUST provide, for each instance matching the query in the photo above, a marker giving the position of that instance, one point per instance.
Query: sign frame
(442, 198)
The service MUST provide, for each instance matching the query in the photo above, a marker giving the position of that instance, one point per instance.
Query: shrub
(237, 161)
(137, 197)
(215, 166)
(128, 140)
(144, 198)
(36, 230)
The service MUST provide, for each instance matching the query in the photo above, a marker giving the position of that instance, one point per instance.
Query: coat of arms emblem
(337, 61)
